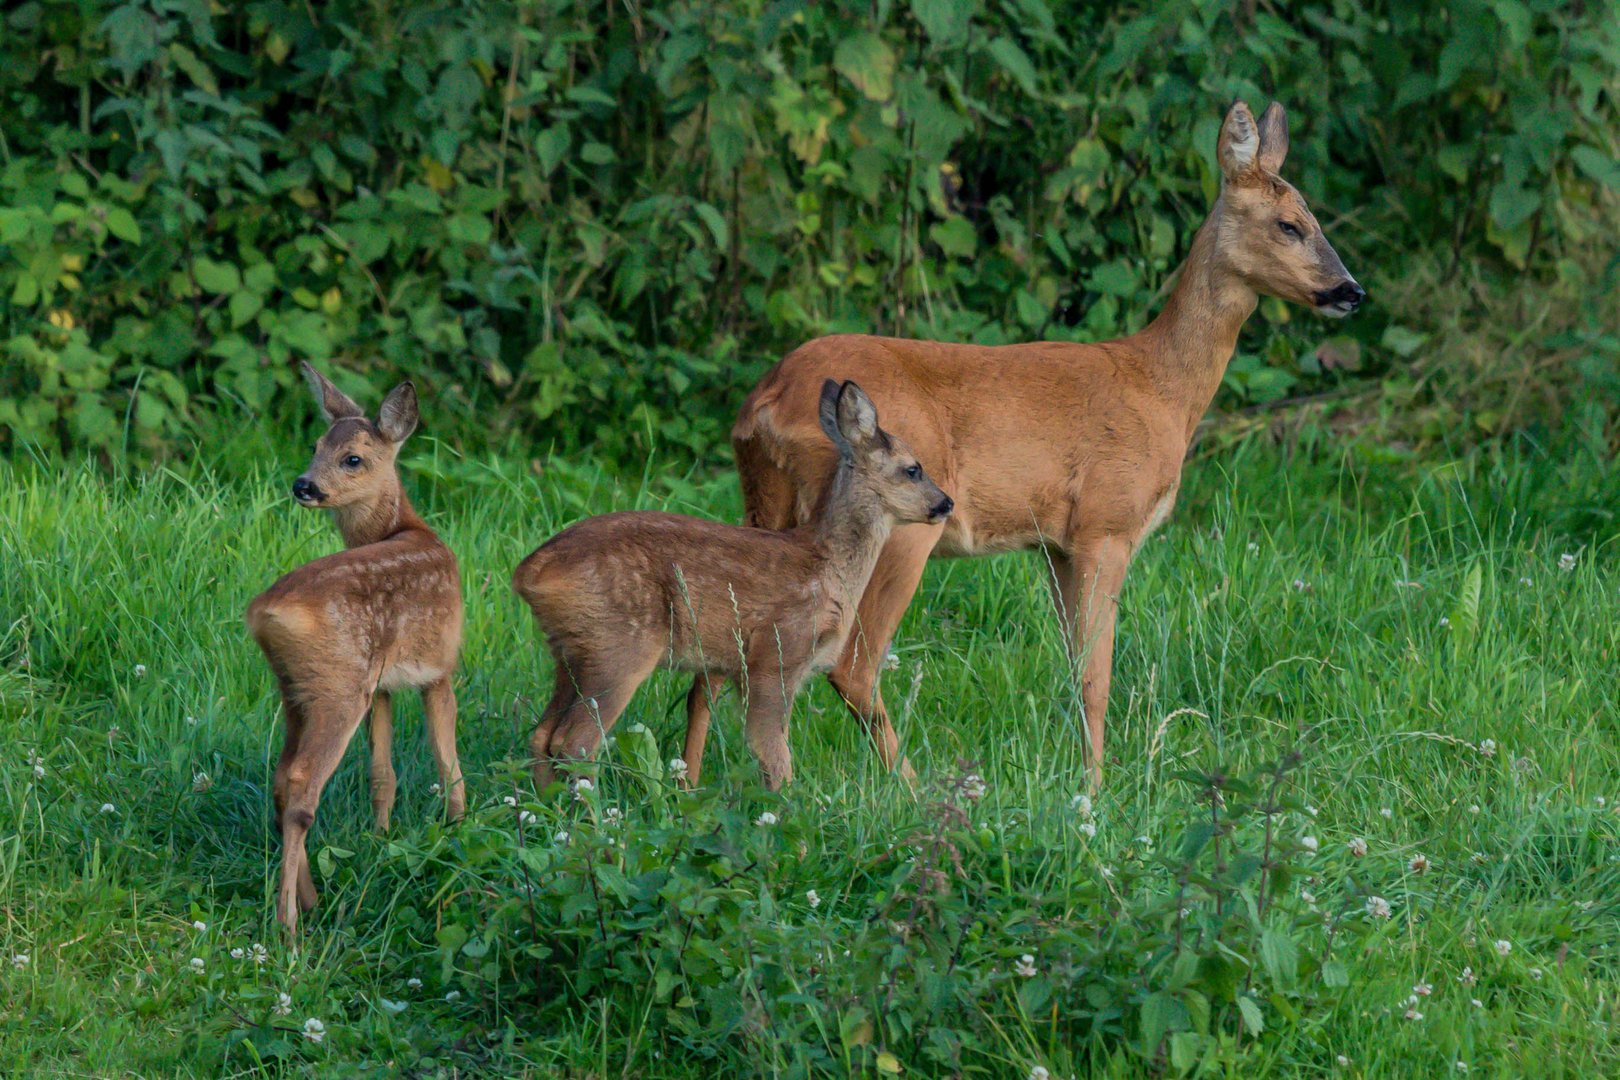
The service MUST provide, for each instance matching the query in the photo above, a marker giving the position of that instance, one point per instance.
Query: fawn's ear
(397, 417)
(857, 416)
(335, 404)
(1239, 143)
(1273, 138)
(829, 418)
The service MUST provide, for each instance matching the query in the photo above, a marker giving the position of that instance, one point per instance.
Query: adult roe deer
(341, 633)
(1072, 448)
(622, 594)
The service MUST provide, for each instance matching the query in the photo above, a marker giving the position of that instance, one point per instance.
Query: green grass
(1385, 620)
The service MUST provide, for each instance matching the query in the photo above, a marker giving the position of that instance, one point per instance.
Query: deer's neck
(369, 522)
(851, 531)
(1192, 340)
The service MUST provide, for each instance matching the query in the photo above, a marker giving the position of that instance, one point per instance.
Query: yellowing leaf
(888, 1063)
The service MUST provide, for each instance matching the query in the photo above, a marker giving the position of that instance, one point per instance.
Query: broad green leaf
(1597, 165)
(216, 277)
(121, 223)
(866, 60)
(1253, 1019)
(1015, 62)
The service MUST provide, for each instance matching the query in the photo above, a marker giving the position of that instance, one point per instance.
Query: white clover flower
(974, 787)
(238, 953)
(1039, 1073)
(1503, 947)
(1299, 585)
(1445, 622)
(1307, 896)
(1467, 977)
(39, 772)
(453, 995)
(1422, 989)
(1487, 748)
(612, 816)
(108, 808)
(197, 966)
(677, 768)
(1145, 840)
(1081, 804)
(1106, 871)
(510, 800)
(813, 899)
(200, 926)
(413, 984)
(1088, 829)
(1473, 808)
(392, 1008)
(1252, 547)
(1386, 812)
(1462, 1066)
(283, 1004)
(1309, 843)
(1343, 1062)
(561, 836)
(1566, 562)
(1599, 801)
(261, 955)
(766, 819)
(191, 721)
(1025, 966)
(1413, 1014)
(436, 788)
(583, 787)
(1311, 810)
(1358, 847)
(524, 817)
(891, 661)
(1378, 907)
(1535, 973)
(201, 782)
(140, 669)
(1418, 864)
(1526, 582)
(1476, 1003)
(20, 960)
(314, 1030)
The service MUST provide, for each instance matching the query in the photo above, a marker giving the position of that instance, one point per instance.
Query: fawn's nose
(942, 509)
(305, 491)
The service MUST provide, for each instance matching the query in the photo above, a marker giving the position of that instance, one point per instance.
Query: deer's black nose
(305, 491)
(945, 506)
(1346, 294)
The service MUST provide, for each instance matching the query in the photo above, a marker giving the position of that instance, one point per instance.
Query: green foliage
(595, 225)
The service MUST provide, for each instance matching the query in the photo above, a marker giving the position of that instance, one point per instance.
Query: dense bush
(595, 224)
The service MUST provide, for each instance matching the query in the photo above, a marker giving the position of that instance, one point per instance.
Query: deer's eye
(913, 472)
(1290, 230)
(352, 462)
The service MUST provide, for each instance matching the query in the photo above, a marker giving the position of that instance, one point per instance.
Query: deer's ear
(829, 418)
(857, 416)
(335, 404)
(1273, 138)
(397, 417)
(1239, 144)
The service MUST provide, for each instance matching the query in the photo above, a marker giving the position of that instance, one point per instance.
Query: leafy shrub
(699, 918)
(596, 226)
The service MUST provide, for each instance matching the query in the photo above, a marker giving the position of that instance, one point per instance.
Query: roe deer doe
(622, 594)
(1069, 448)
(343, 632)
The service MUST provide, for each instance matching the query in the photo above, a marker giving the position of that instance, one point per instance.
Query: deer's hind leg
(439, 706)
(600, 694)
(384, 784)
(329, 724)
(770, 699)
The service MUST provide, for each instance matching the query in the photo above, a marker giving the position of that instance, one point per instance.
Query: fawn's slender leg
(384, 783)
(562, 696)
(894, 582)
(329, 725)
(593, 714)
(292, 713)
(699, 705)
(439, 706)
(769, 700)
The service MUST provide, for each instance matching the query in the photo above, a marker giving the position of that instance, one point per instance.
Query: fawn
(345, 631)
(619, 595)
(1073, 450)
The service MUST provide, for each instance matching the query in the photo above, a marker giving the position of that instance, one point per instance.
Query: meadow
(1359, 817)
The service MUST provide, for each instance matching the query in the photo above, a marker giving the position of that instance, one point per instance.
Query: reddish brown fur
(344, 631)
(622, 594)
(1072, 448)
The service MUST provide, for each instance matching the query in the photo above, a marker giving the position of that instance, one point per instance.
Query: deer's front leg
(383, 781)
(769, 700)
(1086, 588)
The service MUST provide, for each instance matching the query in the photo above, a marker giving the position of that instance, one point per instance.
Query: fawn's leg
(383, 781)
(769, 700)
(328, 727)
(439, 705)
(699, 705)
(593, 713)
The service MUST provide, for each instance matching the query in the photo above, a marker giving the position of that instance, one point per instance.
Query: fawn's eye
(1290, 230)
(352, 462)
(913, 472)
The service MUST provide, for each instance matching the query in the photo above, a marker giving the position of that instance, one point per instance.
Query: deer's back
(697, 591)
(389, 613)
(1023, 437)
